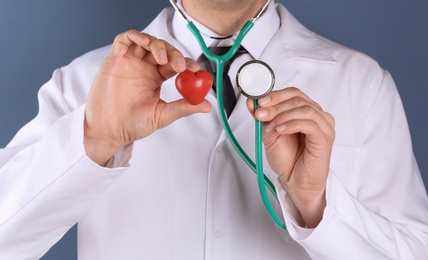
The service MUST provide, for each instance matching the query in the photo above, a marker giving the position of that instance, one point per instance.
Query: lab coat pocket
(344, 163)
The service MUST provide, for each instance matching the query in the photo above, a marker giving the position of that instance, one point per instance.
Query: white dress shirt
(186, 194)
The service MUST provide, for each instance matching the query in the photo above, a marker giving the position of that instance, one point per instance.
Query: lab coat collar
(297, 41)
(301, 43)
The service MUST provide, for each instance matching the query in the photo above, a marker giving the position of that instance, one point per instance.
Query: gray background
(38, 36)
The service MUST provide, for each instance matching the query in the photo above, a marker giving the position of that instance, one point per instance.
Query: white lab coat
(187, 194)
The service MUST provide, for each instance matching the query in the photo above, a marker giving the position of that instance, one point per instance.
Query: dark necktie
(229, 97)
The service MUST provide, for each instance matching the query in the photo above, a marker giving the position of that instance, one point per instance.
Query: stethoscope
(255, 79)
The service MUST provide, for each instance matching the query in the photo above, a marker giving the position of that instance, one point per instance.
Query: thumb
(181, 108)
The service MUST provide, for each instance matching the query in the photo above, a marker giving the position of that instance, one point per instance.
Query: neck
(224, 17)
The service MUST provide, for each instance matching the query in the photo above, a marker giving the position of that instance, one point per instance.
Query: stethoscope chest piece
(255, 79)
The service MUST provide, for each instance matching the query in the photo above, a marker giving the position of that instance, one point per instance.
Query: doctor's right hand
(124, 102)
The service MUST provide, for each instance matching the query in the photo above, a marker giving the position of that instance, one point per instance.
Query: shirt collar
(266, 25)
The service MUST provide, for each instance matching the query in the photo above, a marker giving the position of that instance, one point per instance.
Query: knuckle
(158, 42)
(132, 31)
(176, 52)
(314, 124)
(275, 110)
(118, 37)
(309, 110)
(330, 119)
(298, 101)
(331, 135)
(148, 35)
(293, 89)
(163, 42)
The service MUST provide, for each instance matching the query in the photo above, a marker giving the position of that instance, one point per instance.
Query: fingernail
(261, 113)
(270, 127)
(280, 128)
(162, 56)
(181, 63)
(264, 100)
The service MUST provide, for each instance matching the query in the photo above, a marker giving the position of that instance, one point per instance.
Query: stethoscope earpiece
(255, 79)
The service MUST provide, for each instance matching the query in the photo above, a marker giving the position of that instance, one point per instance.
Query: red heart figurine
(194, 86)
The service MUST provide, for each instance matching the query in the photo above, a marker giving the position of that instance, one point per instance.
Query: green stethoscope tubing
(257, 167)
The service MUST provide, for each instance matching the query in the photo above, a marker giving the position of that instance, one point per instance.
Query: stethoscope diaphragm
(255, 79)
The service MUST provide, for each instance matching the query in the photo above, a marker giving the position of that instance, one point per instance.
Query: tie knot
(220, 50)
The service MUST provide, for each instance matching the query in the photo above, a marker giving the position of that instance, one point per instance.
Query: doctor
(149, 176)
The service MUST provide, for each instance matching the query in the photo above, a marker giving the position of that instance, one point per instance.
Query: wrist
(310, 205)
(99, 148)
(312, 211)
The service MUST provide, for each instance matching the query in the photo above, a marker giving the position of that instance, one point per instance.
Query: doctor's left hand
(124, 102)
(298, 137)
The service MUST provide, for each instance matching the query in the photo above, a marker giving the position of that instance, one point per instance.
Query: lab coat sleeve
(47, 182)
(387, 218)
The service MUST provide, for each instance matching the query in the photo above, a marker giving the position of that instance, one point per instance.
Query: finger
(279, 96)
(135, 51)
(123, 41)
(192, 66)
(305, 113)
(167, 71)
(160, 51)
(268, 113)
(312, 131)
(164, 53)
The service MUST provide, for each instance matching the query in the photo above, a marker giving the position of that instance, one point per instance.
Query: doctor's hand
(124, 102)
(298, 138)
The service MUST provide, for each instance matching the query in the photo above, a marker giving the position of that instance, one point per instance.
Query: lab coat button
(218, 234)
(220, 149)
